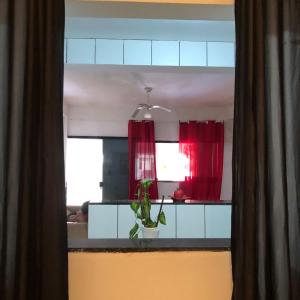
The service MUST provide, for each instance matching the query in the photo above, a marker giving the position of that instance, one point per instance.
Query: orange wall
(222, 2)
(191, 275)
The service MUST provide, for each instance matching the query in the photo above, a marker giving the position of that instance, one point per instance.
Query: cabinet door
(165, 53)
(126, 221)
(218, 221)
(65, 51)
(80, 51)
(220, 54)
(169, 230)
(102, 221)
(190, 221)
(192, 53)
(109, 52)
(137, 52)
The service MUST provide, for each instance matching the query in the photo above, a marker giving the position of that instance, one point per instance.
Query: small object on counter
(180, 199)
(179, 196)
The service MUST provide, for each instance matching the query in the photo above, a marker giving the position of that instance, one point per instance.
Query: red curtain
(141, 150)
(203, 144)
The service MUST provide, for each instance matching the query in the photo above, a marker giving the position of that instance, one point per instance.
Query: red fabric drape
(141, 150)
(203, 144)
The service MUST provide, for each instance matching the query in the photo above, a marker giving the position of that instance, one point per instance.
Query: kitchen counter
(144, 245)
(166, 202)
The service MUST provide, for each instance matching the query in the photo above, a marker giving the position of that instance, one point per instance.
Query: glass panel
(220, 54)
(115, 169)
(165, 53)
(166, 231)
(103, 221)
(137, 53)
(192, 53)
(190, 221)
(221, 228)
(81, 51)
(109, 52)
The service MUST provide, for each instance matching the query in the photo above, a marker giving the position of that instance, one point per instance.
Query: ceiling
(175, 87)
(109, 86)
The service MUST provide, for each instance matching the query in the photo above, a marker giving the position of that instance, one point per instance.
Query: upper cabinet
(193, 54)
(65, 51)
(81, 51)
(147, 53)
(165, 53)
(137, 52)
(109, 52)
(220, 54)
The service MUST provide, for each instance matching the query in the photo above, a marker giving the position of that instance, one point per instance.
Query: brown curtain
(266, 159)
(33, 238)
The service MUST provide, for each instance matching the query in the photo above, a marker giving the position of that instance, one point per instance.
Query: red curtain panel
(203, 144)
(141, 151)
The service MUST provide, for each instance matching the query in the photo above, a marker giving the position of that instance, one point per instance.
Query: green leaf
(150, 224)
(162, 218)
(135, 206)
(146, 183)
(133, 231)
(147, 212)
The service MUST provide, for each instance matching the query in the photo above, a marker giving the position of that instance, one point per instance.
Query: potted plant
(142, 211)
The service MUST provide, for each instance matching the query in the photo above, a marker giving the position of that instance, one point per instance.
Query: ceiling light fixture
(147, 106)
(147, 115)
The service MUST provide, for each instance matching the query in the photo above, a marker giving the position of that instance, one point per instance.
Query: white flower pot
(150, 233)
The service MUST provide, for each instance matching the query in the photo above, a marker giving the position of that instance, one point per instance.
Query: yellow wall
(222, 2)
(191, 275)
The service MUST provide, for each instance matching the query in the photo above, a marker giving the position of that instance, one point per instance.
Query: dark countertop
(166, 202)
(147, 245)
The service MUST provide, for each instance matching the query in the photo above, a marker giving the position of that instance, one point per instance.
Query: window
(143, 166)
(171, 165)
(84, 164)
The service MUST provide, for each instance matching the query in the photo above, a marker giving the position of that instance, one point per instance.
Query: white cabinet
(165, 53)
(126, 221)
(218, 221)
(109, 52)
(183, 221)
(102, 221)
(190, 221)
(193, 54)
(220, 54)
(81, 51)
(169, 230)
(137, 52)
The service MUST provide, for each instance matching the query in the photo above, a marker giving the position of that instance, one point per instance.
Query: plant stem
(140, 201)
(161, 205)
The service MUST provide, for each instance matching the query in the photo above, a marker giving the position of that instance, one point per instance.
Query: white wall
(150, 29)
(90, 120)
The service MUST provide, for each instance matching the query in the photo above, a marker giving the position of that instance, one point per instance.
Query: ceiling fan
(147, 106)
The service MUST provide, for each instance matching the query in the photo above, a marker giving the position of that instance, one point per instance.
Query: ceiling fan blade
(160, 107)
(137, 110)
